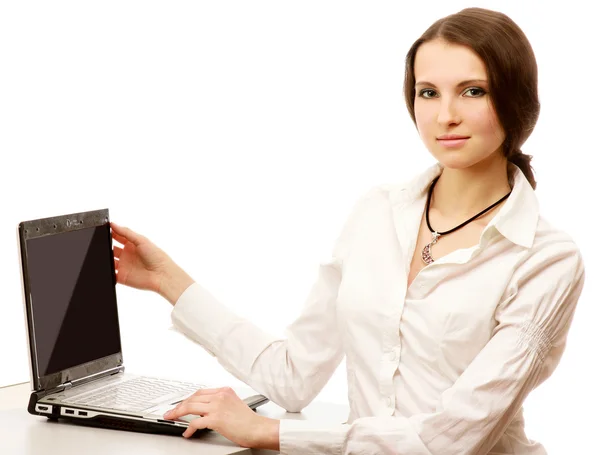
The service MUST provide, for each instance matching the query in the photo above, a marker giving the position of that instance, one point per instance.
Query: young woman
(450, 296)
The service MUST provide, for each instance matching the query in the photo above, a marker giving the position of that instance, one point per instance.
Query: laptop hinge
(69, 384)
(93, 377)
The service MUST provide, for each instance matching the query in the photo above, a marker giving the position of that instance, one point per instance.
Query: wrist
(174, 280)
(268, 434)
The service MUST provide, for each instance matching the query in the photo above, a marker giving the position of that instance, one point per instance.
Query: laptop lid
(70, 300)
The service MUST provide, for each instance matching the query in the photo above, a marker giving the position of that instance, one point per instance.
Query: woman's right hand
(142, 265)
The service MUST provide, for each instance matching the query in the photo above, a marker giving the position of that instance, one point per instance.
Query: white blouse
(441, 367)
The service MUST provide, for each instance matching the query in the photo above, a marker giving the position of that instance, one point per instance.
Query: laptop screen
(73, 298)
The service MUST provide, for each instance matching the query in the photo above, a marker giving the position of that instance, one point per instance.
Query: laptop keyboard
(134, 394)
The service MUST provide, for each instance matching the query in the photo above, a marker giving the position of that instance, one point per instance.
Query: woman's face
(451, 98)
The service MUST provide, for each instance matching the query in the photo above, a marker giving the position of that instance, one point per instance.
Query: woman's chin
(456, 160)
(462, 159)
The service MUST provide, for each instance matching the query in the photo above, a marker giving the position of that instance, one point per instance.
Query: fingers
(199, 399)
(204, 403)
(199, 402)
(198, 409)
(119, 238)
(126, 234)
(192, 399)
(197, 424)
(117, 254)
(226, 390)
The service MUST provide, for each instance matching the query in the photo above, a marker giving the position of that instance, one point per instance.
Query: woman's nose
(448, 114)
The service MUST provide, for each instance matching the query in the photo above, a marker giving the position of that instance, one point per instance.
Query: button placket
(389, 356)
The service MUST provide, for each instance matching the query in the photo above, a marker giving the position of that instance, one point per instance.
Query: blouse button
(389, 401)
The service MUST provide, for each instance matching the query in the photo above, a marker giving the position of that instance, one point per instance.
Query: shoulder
(370, 210)
(382, 191)
(378, 196)
(552, 240)
(554, 256)
(375, 205)
(385, 194)
(402, 192)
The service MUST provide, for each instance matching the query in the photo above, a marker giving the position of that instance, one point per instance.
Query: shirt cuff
(307, 437)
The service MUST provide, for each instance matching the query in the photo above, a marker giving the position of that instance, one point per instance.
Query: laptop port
(83, 413)
(69, 411)
(43, 408)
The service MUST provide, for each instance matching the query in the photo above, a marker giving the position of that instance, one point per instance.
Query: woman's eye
(427, 93)
(478, 92)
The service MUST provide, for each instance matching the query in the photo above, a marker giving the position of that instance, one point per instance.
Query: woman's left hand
(223, 411)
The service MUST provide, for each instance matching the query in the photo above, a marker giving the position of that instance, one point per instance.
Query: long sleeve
(292, 370)
(471, 416)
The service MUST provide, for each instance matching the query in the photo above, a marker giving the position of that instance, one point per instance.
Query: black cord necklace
(426, 253)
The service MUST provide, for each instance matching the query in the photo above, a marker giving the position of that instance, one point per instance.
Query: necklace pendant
(426, 253)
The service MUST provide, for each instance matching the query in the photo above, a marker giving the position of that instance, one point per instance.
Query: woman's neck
(461, 193)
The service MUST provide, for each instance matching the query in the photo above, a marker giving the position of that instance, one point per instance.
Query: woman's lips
(453, 143)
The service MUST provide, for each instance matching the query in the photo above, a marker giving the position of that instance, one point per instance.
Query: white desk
(25, 434)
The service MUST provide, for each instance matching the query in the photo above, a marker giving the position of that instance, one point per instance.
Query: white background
(238, 135)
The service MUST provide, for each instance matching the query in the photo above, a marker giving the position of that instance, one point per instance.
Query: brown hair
(511, 67)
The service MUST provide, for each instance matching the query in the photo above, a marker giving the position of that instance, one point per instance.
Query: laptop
(76, 362)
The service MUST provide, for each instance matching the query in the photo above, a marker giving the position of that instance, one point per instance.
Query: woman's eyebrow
(461, 84)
